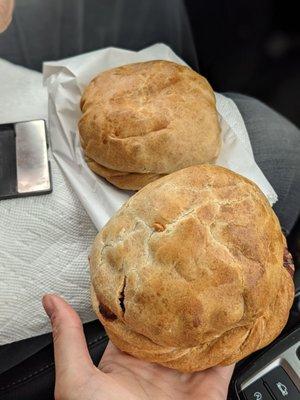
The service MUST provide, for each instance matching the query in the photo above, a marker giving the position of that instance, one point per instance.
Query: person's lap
(275, 141)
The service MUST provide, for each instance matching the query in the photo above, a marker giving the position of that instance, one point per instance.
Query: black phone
(24, 165)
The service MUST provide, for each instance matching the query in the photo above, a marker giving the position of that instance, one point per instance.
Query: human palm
(120, 376)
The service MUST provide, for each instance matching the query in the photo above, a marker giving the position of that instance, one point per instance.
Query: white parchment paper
(66, 80)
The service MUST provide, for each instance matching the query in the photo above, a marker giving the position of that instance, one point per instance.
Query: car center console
(274, 372)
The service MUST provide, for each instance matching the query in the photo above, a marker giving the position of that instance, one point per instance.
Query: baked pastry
(142, 121)
(190, 272)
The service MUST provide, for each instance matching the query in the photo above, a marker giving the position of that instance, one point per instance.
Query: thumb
(70, 348)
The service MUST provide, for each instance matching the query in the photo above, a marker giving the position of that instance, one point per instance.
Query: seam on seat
(46, 367)
(35, 373)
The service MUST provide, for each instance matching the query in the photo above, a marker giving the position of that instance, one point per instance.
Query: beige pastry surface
(189, 273)
(145, 120)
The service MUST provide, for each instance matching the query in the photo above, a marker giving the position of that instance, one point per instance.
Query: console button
(281, 385)
(257, 391)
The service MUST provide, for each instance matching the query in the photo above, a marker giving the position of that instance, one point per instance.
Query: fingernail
(48, 304)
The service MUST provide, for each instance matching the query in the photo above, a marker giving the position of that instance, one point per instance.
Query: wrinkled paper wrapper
(66, 80)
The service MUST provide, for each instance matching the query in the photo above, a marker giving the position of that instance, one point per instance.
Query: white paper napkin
(44, 240)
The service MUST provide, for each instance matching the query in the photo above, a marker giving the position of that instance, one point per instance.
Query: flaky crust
(142, 121)
(189, 273)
